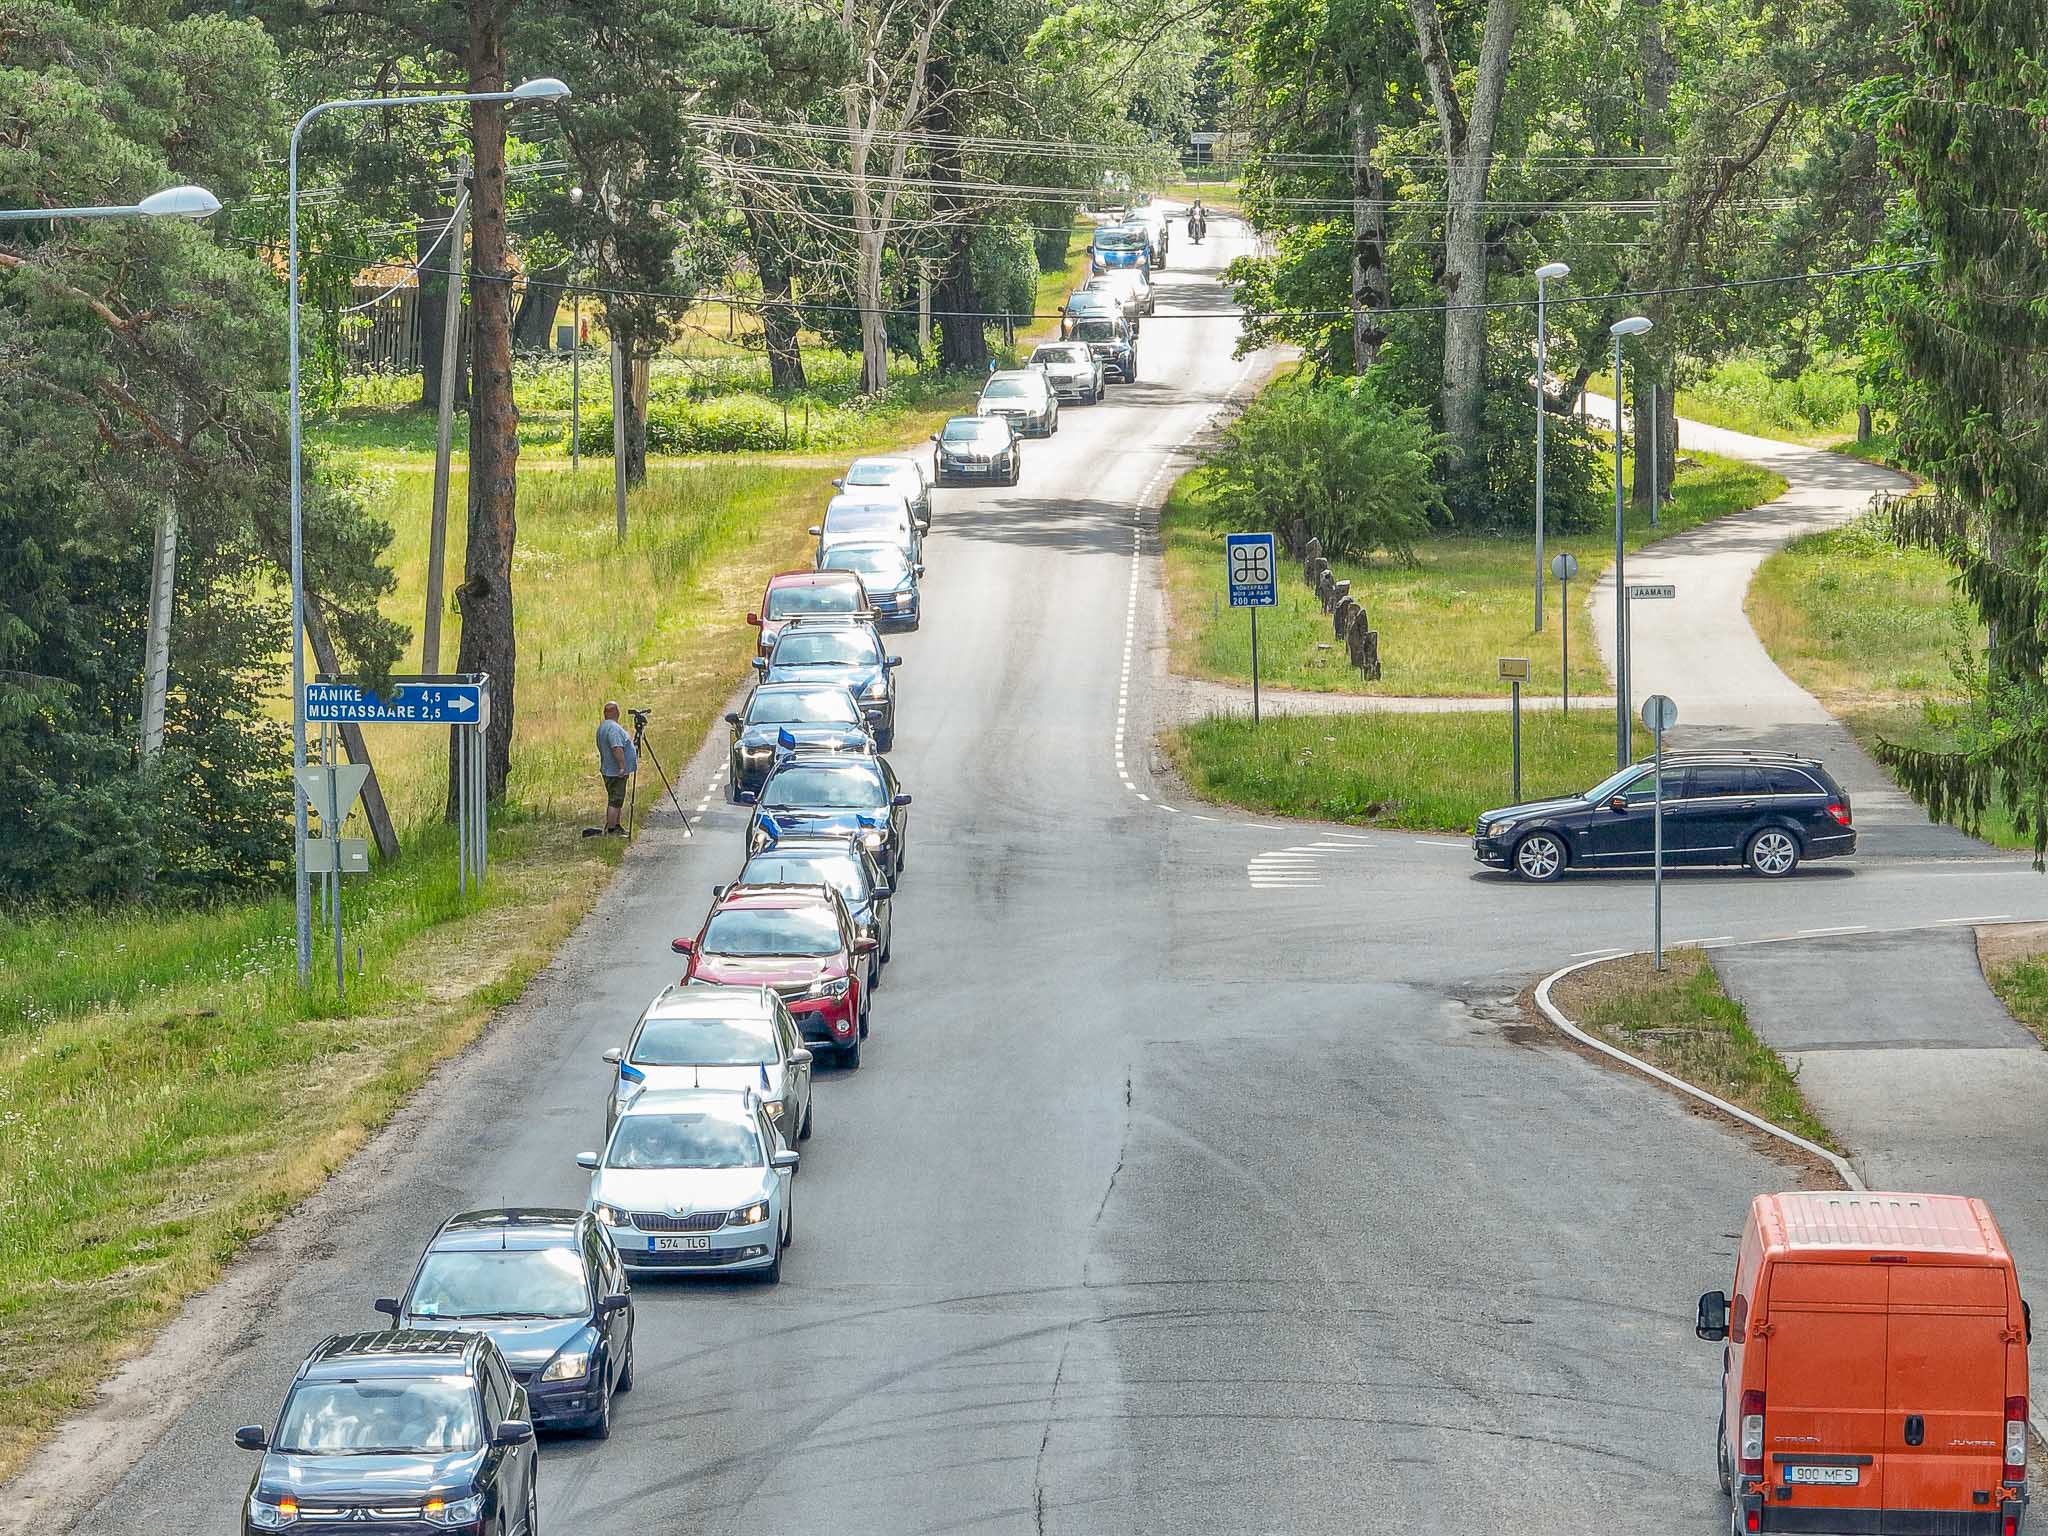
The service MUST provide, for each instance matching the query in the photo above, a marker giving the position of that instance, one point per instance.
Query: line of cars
(522, 1318)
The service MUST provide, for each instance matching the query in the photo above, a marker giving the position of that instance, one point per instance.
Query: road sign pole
(1657, 860)
(1516, 709)
(334, 836)
(461, 811)
(1564, 635)
(1622, 744)
(1255, 668)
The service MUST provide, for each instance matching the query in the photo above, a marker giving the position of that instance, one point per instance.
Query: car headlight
(569, 1365)
(836, 987)
(273, 1517)
(905, 594)
(749, 1216)
(773, 1107)
(877, 690)
(611, 1215)
(1501, 829)
(454, 1511)
(871, 839)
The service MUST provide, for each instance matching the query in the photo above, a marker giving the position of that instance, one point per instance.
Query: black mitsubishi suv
(1764, 811)
(406, 1431)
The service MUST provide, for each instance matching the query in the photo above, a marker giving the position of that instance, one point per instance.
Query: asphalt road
(1167, 1198)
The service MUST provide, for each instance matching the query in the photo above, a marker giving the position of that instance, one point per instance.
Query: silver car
(870, 517)
(893, 472)
(1025, 397)
(1074, 372)
(704, 1036)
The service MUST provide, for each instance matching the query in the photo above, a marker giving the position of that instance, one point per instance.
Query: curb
(1551, 1011)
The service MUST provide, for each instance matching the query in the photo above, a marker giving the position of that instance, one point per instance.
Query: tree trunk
(874, 333)
(485, 596)
(1863, 423)
(639, 384)
(1658, 70)
(956, 303)
(1468, 160)
(778, 313)
(433, 307)
(1371, 294)
(533, 328)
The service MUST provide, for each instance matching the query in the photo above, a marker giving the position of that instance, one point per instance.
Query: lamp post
(1543, 274)
(171, 203)
(1635, 325)
(531, 90)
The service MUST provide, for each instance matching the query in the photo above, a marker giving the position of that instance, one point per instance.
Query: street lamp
(1554, 269)
(544, 89)
(1635, 325)
(171, 203)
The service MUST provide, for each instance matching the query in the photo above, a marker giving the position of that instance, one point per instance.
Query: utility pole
(451, 346)
(618, 432)
(156, 647)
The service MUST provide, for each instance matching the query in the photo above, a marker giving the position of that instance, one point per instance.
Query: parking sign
(1252, 571)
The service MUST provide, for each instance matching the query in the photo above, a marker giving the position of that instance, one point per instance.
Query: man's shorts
(615, 789)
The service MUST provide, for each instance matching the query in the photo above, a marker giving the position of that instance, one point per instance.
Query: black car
(544, 1285)
(976, 448)
(1110, 340)
(820, 717)
(812, 795)
(1761, 810)
(839, 653)
(408, 1431)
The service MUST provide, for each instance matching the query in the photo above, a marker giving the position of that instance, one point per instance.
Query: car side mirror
(732, 718)
(1618, 803)
(760, 664)
(781, 1160)
(618, 1301)
(754, 619)
(801, 1056)
(884, 892)
(253, 1437)
(513, 1432)
(839, 482)
(892, 661)
(864, 945)
(388, 1305)
(718, 893)
(935, 437)
(815, 532)
(746, 797)
(900, 800)
(586, 1160)
(920, 567)
(614, 1055)
(683, 946)
(1713, 1321)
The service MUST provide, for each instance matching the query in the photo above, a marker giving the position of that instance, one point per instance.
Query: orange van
(1875, 1371)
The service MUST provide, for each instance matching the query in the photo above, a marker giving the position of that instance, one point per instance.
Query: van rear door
(1824, 1387)
(1947, 1350)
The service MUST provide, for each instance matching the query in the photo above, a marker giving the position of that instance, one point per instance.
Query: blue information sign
(1252, 571)
(408, 701)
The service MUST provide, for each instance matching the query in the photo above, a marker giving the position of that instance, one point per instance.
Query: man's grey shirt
(612, 734)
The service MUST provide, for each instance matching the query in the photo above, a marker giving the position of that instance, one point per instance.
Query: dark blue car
(787, 717)
(403, 1431)
(845, 653)
(812, 795)
(1119, 245)
(546, 1286)
(892, 583)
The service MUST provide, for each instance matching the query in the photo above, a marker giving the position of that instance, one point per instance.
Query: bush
(1358, 470)
(1817, 399)
(737, 424)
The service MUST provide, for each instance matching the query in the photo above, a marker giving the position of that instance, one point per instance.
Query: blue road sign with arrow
(408, 701)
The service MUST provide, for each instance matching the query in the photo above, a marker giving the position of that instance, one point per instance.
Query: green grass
(2022, 985)
(1681, 1020)
(1742, 394)
(1443, 620)
(1878, 448)
(1427, 772)
(1872, 631)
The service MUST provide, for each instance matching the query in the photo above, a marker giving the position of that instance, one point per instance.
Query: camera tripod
(641, 746)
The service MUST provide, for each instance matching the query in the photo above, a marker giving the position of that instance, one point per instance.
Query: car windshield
(831, 597)
(1097, 330)
(807, 647)
(380, 1417)
(862, 516)
(841, 871)
(802, 706)
(883, 569)
(496, 1282)
(965, 429)
(805, 930)
(1059, 355)
(703, 1042)
(684, 1141)
(1093, 299)
(1005, 389)
(855, 787)
(1612, 785)
(879, 474)
(1118, 240)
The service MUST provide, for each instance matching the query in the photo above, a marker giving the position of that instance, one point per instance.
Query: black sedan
(976, 448)
(404, 1430)
(841, 797)
(1765, 812)
(839, 653)
(1110, 340)
(821, 717)
(546, 1286)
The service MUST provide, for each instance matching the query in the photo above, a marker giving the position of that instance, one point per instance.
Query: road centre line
(1812, 933)
(1996, 917)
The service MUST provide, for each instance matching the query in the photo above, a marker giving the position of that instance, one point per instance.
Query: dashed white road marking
(1587, 954)
(1996, 917)
(1808, 933)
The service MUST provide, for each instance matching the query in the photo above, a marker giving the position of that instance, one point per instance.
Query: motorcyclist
(1198, 222)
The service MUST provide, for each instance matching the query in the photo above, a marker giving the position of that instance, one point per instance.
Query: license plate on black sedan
(681, 1244)
(1825, 1477)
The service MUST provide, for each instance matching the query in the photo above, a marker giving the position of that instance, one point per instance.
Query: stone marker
(1346, 615)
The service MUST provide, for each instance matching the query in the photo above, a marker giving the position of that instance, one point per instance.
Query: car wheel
(601, 1427)
(789, 1228)
(626, 1371)
(885, 740)
(849, 1057)
(803, 1132)
(1721, 1457)
(1772, 852)
(772, 1275)
(1539, 857)
(1016, 470)
(866, 1011)
(533, 1504)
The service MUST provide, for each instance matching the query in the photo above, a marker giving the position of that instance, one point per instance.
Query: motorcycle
(1197, 227)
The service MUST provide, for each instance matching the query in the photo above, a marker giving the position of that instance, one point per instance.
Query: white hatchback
(695, 1180)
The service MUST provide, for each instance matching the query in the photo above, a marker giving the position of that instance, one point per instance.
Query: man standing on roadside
(616, 760)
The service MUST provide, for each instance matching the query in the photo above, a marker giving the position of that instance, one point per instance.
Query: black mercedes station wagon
(1761, 810)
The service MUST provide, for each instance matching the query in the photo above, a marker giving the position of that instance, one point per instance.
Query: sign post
(1515, 671)
(1659, 714)
(1564, 567)
(1254, 577)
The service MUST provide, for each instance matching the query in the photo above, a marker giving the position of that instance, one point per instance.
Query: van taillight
(2015, 1439)
(1749, 1452)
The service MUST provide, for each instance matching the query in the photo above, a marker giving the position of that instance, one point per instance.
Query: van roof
(1807, 1225)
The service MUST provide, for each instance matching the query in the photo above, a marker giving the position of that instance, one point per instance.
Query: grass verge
(1873, 632)
(1427, 772)
(1682, 1021)
(1442, 620)
(2014, 959)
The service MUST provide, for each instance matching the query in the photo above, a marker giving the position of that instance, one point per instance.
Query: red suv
(807, 595)
(799, 940)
